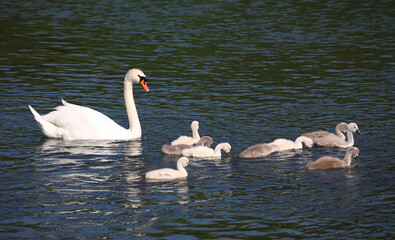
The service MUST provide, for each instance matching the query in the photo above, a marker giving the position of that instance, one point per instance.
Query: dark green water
(248, 71)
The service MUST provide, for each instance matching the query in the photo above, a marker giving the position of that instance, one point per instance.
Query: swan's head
(226, 147)
(195, 125)
(137, 76)
(184, 161)
(342, 126)
(308, 142)
(353, 127)
(205, 141)
(354, 152)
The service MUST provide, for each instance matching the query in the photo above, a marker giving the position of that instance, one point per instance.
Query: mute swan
(76, 122)
(340, 129)
(335, 141)
(202, 151)
(259, 150)
(168, 173)
(331, 162)
(285, 144)
(177, 149)
(189, 140)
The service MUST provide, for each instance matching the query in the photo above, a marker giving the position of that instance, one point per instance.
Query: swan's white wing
(184, 140)
(164, 173)
(283, 144)
(84, 122)
(199, 151)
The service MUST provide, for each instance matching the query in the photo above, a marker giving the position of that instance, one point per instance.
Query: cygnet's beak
(356, 158)
(143, 83)
(358, 132)
(228, 154)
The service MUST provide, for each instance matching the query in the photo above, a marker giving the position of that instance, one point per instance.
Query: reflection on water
(90, 147)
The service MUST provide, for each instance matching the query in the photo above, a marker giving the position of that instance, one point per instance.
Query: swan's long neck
(298, 142)
(195, 133)
(339, 132)
(181, 169)
(347, 158)
(350, 139)
(217, 150)
(134, 122)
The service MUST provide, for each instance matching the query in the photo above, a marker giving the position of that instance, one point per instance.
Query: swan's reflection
(165, 192)
(79, 166)
(91, 147)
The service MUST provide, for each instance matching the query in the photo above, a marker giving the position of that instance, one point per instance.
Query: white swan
(189, 140)
(335, 141)
(285, 144)
(202, 151)
(177, 149)
(331, 162)
(168, 173)
(259, 150)
(340, 129)
(76, 122)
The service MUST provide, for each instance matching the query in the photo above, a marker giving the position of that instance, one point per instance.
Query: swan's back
(316, 134)
(340, 129)
(168, 173)
(164, 173)
(84, 123)
(284, 144)
(175, 149)
(330, 140)
(259, 150)
(184, 140)
(325, 163)
(199, 151)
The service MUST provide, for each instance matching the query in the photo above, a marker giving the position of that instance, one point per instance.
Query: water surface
(248, 71)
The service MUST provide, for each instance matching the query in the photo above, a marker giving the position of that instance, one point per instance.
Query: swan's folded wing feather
(82, 121)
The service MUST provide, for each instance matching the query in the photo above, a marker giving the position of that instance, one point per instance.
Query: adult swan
(71, 121)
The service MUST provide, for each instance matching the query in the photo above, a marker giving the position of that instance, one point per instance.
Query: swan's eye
(142, 78)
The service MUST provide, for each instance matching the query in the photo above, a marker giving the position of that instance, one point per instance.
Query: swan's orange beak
(143, 83)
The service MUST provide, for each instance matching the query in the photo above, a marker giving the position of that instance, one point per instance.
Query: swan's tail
(40, 122)
(47, 128)
(35, 113)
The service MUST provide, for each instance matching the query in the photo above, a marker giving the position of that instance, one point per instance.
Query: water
(248, 71)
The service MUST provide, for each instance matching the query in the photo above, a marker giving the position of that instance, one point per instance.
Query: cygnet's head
(226, 147)
(353, 127)
(354, 150)
(137, 76)
(308, 142)
(205, 141)
(195, 125)
(184, 161)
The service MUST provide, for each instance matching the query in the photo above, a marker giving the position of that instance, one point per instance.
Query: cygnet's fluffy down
(259, 150)
(340, 129)
(328, 162)
(168, 173)
(189, 140)
(285, 144)
(203, 152)
(177, 149)
(336, 141)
